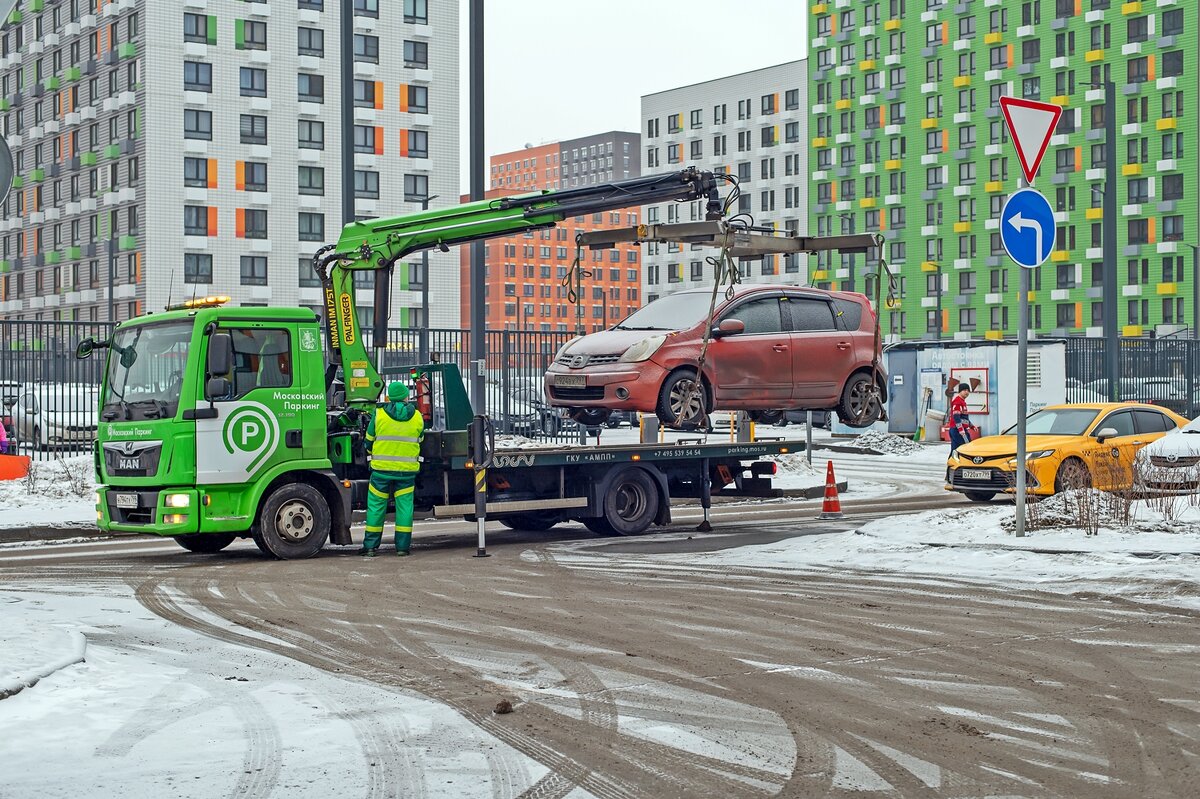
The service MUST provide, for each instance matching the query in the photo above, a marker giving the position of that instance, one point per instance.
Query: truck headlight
(642, 350)
(97, 496)
(178, 500)
(563, 349)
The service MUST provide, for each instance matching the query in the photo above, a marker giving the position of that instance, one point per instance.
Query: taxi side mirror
(1106, 433)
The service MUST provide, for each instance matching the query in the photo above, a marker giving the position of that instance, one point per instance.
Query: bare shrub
(1166, 502)
(75, 478)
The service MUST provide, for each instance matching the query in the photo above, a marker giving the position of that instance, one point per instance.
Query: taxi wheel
(1073, 473)
(979, 496)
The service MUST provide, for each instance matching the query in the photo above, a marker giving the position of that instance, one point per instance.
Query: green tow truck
(218, 423)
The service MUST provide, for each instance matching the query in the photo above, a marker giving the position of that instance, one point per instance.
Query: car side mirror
(1106, 433)
(220, 354)
(729, 327)
(216, 388)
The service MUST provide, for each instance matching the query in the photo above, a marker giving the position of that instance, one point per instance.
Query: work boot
(367, 552)
(402, 553)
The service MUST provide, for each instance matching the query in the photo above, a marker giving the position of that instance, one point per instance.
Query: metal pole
(347, 65)
(1109, 240)
(423, 352)
(808, 437)
(939, 302)
(478, 315)
(479, 457)
(1195, 290)
(1022, 399)
(112, 303)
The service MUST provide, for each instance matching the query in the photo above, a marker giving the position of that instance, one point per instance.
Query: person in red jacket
(960, 418)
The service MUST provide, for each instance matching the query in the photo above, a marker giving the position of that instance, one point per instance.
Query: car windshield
(672, 312)
(1058, 422)
(70, 400)
(145, 371)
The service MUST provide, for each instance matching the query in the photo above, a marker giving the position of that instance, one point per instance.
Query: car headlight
(1041, 453)
(178, 500)
(642, 350)
(563, 349)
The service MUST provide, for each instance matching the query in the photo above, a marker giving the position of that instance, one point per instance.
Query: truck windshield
(672, 312)
(145, 371)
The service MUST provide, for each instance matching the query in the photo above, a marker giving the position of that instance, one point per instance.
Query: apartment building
(910, 142)
(191, 148)
(753, 126)
(529, 277)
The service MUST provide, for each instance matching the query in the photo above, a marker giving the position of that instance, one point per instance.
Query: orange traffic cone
(831, 508)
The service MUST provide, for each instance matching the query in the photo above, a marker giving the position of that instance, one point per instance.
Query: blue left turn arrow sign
(1027, 228)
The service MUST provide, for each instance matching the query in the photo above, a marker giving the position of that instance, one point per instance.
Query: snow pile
(796, 463)
(886, 443)
(29, 652)
(54, 492)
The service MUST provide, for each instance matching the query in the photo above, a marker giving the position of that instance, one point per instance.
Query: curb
(54, 533)
(1147, 554)
(32, 677)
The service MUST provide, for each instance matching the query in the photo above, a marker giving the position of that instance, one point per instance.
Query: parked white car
(1170, 465)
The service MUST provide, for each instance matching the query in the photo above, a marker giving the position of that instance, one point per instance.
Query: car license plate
(975, 474)
(125, 500)
(570, 381)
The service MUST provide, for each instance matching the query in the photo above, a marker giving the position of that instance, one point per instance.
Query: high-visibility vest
(397, 446)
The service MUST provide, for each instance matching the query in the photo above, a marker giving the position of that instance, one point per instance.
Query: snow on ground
(886, 443)
(59, 493)
(157, 710)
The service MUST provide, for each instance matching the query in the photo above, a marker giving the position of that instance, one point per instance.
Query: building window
(195, 220)
(308, 275)
(311, 135)
(418, 144)
(366, 48)
(197, 76)
(311, 88)
(254, 35)
(1172, 64)
(256, 223)
(416, 12)
(197, 125)
(416, 187)
(254, 270)
(366, 184)
(1139, 231)
(195, 172)
(364, 139)
(195, 29)
(364, 93)
(311, 180)
(310, 41)
(197, 268)
(1172, 228)
(254, 82)
(368, 8)
(418, 100)
(416, 55)
(253, 129)
(312, 226)
(255, 173)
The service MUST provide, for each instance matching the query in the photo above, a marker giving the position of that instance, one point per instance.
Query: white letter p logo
(250, 430)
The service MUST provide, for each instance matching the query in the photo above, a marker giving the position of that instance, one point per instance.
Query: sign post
(1028, 232)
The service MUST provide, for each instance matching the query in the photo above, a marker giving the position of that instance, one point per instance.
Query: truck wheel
(205, 543)
(680, 401)
(589, 417)
(860, 405)
(293, 522)
(598, 525)
(537, 521)
(631, 502)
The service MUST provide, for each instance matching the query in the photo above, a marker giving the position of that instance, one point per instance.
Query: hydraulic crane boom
(377, 244)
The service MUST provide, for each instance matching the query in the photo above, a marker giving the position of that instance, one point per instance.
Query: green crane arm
(376, 245)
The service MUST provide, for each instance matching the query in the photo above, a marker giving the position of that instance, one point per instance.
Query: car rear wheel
(979, 496)
(205, 543)
(1073, 473)
(681, 402)
(589, 417)
(38, 444)
(860, 405)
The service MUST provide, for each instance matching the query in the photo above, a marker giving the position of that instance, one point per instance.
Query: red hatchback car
(773, 348)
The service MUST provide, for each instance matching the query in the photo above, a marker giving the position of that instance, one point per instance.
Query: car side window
(810, 315)
(1152, 422)
(759, 315)
(1121, 421)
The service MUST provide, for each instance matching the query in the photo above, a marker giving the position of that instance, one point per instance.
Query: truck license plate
(570, 381)
(125, 500)
(975, 474)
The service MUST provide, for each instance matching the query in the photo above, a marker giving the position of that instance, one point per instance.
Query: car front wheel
(681, 401)
(861, 403)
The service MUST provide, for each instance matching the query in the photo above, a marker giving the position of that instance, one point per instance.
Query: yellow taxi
(1067, 446)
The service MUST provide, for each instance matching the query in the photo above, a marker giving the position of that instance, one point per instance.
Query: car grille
(1179, 463)
(589, 393)
(580, 361)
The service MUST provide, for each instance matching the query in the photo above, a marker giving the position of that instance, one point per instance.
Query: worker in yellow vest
(394, 441)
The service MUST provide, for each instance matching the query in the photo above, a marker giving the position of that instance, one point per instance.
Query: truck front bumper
(132, 509)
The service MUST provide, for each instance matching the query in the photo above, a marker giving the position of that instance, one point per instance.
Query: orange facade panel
(212, 221)
(378, 95)
(212, 173)
(239, 223)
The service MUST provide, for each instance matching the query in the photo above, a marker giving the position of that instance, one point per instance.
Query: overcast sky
(558, 69)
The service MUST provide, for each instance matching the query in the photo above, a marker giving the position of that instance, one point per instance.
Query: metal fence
(43, 386)
(1164, 371)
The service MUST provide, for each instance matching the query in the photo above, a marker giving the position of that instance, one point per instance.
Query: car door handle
(843, 345)
(779, 347)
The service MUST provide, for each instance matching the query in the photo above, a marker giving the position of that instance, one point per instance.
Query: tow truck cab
(246, 383)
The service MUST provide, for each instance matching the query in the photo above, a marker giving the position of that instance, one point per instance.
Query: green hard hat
(397, 392)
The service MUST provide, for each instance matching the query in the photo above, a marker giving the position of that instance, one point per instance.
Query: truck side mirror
(220, 354)
(216, 388)
(85, 348)
(729, 327)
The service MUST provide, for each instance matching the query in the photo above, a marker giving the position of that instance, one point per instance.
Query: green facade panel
(908, 140)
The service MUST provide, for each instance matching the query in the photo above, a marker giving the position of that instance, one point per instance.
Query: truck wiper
(159, 408)
(110, 413)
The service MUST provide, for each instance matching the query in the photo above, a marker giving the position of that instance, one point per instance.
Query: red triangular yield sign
(1030, 124)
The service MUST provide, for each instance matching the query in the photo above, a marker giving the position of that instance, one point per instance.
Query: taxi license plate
(125, 500)
(975, 474)
(570, 381)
